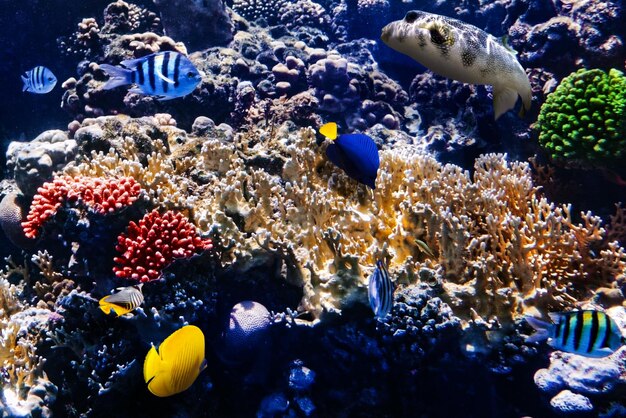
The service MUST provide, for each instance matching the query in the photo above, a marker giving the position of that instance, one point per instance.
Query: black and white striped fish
(125, 300)
(380, 291)
(588, 333)
(39, 80)
(166, 75)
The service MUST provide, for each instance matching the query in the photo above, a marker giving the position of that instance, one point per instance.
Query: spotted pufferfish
(462, 52)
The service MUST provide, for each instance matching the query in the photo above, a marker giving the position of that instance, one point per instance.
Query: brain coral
(584, 119)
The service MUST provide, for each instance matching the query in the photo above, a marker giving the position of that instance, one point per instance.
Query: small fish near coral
(588, 333)
(356, 154)
(39, 80)
(177, 363)
(462, 52)
(166, 75)
(380, 291)
(125, 300)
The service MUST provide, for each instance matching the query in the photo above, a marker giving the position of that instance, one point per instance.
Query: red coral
(152, 244)
(101, 195)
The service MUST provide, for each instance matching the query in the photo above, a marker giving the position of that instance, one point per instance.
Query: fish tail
(152, 365)
(25, 81)
(541, 329)
(118, 76)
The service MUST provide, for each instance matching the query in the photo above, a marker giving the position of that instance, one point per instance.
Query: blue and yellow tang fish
(166, 75)
(178, 362)
(125, 300)
(356, 154)
(588, 333)
(380, 291)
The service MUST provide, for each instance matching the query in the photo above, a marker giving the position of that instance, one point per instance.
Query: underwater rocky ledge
(473, 234)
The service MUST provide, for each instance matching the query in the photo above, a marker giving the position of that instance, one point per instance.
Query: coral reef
(211, 24)
(13, 209)
(584, 119)
(33, 163)
(102, 196)
(150, 245)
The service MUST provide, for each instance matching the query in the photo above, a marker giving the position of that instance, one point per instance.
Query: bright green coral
(584, 119)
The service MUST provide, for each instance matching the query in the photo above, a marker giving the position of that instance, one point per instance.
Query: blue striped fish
(380, 291)
(39, 80)
(588, 333)
(166, 75)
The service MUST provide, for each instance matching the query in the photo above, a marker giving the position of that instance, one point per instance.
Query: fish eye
(410, 17)
(190, 74)
(50, 78)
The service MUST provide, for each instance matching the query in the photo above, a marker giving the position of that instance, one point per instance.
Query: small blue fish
(39, 80)
(356, 154)
(166, 75)
(587, 333)
(380, 291)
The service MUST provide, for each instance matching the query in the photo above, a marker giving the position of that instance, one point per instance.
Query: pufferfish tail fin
(542, 329)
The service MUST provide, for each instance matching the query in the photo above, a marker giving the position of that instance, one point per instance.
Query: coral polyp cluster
(150, 245)
(584, 119)
(100, 195)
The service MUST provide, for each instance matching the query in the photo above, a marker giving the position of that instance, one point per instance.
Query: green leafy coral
(584, 119)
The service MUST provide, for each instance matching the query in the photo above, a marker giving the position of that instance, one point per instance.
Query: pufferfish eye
(410, 17)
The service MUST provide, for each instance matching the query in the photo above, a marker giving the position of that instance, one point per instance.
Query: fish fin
(504, 99)
(162, 77)
(541, 329)
(136, 90)
(362, 152)
(25, 80)
(504, 40)
(106, 307)
(203, 365)
(329, 130)
(555, 317)
(118, 76)
(151, 365)
(165, 98)
(132, 63)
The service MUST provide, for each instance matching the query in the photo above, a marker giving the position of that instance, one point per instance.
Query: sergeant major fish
(380, 291)
(166, 75)
(589, 333)
(462, 52)
(39, 80)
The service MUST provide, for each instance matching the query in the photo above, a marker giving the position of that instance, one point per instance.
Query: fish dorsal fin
(555, 317)
(132, 64)
(504, 40)
(329, 130)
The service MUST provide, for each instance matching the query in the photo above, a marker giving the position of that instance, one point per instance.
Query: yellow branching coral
(499, 246)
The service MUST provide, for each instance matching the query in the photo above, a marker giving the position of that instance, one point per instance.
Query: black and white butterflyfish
(166, 75)
(39, 80)
(123, 301)
(380, 291)
(588, 333)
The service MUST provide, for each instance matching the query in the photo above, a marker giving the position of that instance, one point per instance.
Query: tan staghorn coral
(499, 247)
(24, 387)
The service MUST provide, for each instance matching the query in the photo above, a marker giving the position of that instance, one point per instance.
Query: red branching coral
(152, 244)
(101, 195)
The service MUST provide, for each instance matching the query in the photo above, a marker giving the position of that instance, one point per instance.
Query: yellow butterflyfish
(125, 300)
(177, 363)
